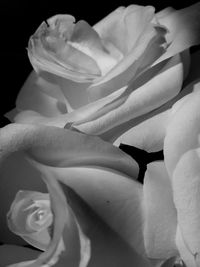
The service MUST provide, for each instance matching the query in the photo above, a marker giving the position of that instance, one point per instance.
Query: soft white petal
(160, 214)
(186, 192)
(183, 129)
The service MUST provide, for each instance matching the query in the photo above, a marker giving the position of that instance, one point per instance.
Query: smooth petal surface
(183, 129)
(148, 135)
(119, 26)
(115, 245)
(186, 184)
(61, 148)
(107, 247)
(160, 214)
(185, 254)
(42, 95)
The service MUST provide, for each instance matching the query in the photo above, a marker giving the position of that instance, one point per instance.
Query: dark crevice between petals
(142, 157)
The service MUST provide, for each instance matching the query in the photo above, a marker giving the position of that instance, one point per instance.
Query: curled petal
(183, 29)
(119, 26)
(148, 135)
(149, 46)
(49, 50)
(60, 147)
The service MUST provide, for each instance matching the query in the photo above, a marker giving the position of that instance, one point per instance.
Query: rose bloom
(76, 196)
(96, 212)
(104, 79)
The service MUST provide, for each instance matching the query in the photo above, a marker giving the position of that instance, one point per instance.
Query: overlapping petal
(31, 218)
(117, 250)
(183, 29)
(68, 244)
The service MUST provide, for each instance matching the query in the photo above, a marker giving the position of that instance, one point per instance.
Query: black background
(19, 20)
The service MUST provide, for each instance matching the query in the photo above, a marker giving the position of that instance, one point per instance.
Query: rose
(129, 90)
(52, 150)
(52, 155)
(75, 173)
(105, 186)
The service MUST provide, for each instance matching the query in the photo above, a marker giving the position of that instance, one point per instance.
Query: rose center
(40, 216)
(63, 34)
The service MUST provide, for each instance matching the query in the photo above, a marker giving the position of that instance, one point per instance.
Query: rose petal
(183, 129)
(108, 249)
(60, 147)
(148, 135)
(124, 26)
(183, 29)
(185, 255)
(18, 216)
(146, 98)
(186, 183)
(49, 50)
(113, 196)
(66, 245)
(148, 48)
(160, 213)
(16, 174)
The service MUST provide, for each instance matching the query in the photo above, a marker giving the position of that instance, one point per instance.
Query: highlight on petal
(31, 218)
(149, 46)
(183, 129)
(49, 50)
(74, 51)
(186, 184)
(123, 26)
(134, 103)
(160, 221)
